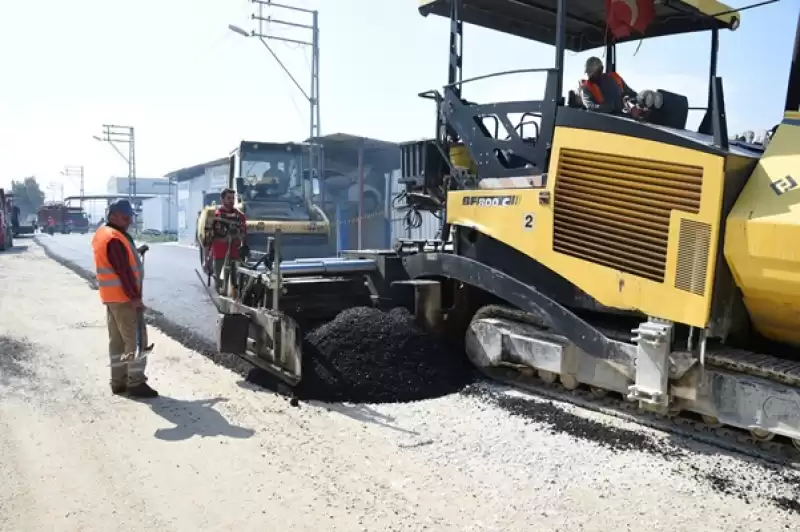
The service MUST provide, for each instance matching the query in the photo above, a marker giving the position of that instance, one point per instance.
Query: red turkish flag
(624, 16)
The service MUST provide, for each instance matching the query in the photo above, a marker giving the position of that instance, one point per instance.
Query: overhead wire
(278, 31)
(265, 28)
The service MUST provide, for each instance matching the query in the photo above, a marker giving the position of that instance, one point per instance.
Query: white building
(194, 185)
(144, 185)
(160, 214)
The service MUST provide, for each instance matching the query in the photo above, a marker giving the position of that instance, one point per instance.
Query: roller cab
(271, 184)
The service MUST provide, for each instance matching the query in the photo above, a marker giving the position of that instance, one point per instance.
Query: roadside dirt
(216, 454)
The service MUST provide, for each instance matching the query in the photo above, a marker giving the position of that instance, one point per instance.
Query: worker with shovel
(119, 266)
(227, 244)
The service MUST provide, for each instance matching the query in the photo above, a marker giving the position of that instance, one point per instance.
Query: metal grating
(615, 211)
(693, 245)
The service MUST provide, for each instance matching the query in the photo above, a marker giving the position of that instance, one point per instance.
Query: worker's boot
(142, 391)
(118, 389)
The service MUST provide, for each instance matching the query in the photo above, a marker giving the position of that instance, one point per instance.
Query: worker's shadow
(194, 418)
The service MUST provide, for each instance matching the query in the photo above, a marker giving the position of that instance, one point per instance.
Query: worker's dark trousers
(219, 264)
(121, 318)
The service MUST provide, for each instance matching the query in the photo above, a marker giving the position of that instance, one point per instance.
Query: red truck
(6, 231)
(57, 217)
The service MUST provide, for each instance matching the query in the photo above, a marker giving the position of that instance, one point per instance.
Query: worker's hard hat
(122, 207)
(594, 65)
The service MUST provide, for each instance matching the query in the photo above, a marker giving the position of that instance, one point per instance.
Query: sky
(192, 89)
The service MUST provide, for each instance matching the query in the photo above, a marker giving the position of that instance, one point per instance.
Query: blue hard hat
(122, 206)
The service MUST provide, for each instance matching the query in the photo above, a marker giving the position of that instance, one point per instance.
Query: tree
(27, 196)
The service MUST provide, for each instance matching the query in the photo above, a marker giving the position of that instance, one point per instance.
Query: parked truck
(20, 225)
(6, 232)
(60, 218)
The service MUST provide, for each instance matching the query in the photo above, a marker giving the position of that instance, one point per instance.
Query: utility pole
(75, 171)
(312, 95)
(123, 135)
(53, 185)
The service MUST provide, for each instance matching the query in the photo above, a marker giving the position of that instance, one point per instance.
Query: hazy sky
(193, 89)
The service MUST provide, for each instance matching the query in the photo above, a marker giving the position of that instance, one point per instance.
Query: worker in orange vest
(119, 278)
(604, 93)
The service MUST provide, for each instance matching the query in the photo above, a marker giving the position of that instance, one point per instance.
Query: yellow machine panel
(634, 231)
(762, 238)
(305, 227)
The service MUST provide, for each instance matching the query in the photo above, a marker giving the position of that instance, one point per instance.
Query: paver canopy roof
(586, 19)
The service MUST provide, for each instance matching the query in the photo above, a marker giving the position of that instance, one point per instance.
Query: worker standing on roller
(232, 223)
(119, 278)
(604, 93)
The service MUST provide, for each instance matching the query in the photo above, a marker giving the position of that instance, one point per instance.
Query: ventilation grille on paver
(614, 211)
(693, 245)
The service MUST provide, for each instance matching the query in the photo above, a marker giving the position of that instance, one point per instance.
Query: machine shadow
(358, 412)
(194, 418)
(16, 249)
(365, 414)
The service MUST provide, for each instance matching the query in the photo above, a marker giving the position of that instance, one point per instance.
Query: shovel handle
(138, 333)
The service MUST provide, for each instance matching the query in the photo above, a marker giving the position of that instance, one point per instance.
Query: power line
(75, 171)
(53, 186)
(113, 134)
(265, 20)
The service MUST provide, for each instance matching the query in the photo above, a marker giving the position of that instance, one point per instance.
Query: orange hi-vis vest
(109, 283)
(594, 88)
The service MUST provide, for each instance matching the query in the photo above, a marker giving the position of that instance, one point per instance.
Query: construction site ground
(216, 453)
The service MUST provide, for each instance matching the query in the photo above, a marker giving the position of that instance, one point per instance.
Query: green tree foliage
(27, 196)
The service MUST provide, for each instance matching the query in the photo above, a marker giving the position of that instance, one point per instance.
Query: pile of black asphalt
(366, 355)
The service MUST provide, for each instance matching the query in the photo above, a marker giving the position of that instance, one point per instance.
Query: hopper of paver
(266, 304)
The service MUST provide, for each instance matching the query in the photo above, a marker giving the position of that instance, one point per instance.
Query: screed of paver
(215, 454)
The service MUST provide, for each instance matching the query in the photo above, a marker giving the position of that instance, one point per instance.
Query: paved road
(170, 286)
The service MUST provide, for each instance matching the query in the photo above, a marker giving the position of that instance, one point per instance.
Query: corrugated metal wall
(429, 228)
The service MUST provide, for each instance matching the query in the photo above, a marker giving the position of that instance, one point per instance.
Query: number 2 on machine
(528, 221)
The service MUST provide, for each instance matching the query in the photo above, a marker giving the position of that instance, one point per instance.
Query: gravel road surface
(215, 453)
